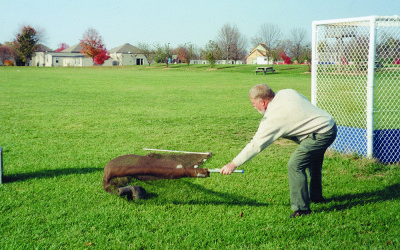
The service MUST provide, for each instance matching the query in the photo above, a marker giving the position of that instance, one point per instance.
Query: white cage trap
(356, 78)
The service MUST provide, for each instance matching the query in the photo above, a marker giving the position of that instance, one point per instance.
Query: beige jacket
(289, 115)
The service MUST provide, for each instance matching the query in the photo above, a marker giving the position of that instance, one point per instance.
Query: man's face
(259, 104)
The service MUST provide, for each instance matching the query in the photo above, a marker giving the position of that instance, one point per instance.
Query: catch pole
(176, 151)
(217, 170)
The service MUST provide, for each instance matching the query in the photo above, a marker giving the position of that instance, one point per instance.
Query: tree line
(229, 44)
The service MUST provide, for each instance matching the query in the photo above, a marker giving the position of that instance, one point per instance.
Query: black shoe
(300, 213)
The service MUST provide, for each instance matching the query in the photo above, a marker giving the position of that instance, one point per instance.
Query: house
(127, 54)
(69, 57)
(59, 59)
(72, 57)
(258, 55)
(38, 57)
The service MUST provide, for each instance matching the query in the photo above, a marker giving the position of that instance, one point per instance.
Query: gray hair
(261, 91)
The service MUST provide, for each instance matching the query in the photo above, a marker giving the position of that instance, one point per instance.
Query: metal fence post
(370, 89)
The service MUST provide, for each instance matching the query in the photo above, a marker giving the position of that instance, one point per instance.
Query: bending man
(290, 115)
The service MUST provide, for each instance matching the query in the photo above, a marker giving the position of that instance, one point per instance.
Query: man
(290, 115)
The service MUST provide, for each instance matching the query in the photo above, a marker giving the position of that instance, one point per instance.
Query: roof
(60, 54)
(263, 53)
(260, 48)
(43, 48)
(126, 49)
(63, 54)
(73, 49)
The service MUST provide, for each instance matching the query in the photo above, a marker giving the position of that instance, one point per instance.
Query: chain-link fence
(356, 78)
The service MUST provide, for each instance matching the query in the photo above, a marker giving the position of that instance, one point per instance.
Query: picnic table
(264, 70)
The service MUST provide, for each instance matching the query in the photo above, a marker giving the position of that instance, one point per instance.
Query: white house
(259, 55)
(72, 57)
(69, 57)
(127, 54)
(59, 59)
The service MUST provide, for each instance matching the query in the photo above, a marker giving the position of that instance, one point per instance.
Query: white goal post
(356, 78)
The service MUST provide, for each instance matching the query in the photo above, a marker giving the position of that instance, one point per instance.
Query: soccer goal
(356, 78)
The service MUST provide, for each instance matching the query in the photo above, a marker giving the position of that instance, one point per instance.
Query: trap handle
(217, 170)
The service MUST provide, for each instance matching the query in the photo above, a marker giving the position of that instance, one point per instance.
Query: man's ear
(264, 103)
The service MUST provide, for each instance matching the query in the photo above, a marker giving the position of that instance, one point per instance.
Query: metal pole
(217, 170)
(370, 88)
(176, 151)
(314, 64)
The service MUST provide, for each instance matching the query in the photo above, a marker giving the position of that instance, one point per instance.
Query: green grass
(60, 126)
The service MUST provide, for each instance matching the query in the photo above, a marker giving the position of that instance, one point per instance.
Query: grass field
(60, 126)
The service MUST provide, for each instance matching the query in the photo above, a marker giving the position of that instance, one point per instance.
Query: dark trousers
(308, 155)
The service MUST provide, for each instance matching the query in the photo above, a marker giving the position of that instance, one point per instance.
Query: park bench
(264, 70)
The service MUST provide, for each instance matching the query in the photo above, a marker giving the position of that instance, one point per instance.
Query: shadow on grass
(198, 194)
(342, 202)
(43, 174)
(288, 69)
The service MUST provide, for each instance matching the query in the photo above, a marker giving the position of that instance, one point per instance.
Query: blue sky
(176, 21)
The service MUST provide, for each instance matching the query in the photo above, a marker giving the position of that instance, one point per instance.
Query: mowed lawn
(60, 127)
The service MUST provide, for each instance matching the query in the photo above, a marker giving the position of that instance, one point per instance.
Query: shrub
(288, 60)
(8, 63)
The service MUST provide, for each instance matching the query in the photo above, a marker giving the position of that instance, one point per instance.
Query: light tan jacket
(289, 115)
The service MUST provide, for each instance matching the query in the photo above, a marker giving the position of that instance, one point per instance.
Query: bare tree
(15, 55)
(358, 52)
(5, 52)
(275, 53)
(298, 39)
(147, 51)
(305, 54)
(269, 34)
(231, 42)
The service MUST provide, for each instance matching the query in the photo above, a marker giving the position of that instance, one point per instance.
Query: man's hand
(228, 168)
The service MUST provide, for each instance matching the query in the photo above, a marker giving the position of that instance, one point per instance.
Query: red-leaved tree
(185, 53)
(181, 52)
(283, 55)
(92, 45)
(100, 58)
(62, 46)
(288, 60)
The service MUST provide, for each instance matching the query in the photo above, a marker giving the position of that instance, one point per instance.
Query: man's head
(260, 95)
